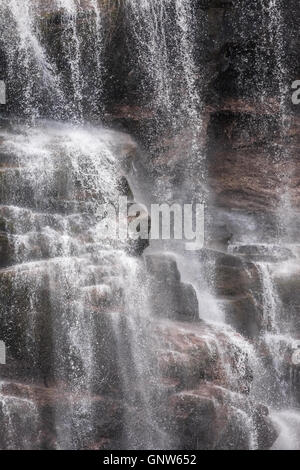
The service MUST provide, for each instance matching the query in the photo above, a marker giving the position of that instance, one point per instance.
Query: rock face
(241, 157)
(263, 253)
(287, 283)
(170, 298)
(237, 283)
(194, 407)
(249, 132)
(203, 423)
(84, 361)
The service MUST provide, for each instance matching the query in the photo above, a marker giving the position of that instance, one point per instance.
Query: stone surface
(249, 165)
(202, 421)
(237, 283)
(170, 298)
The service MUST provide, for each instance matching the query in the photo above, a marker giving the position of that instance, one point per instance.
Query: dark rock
(287, 284)
(193, 420)
(202, 421)
(244, 315)
(170, 297)
(233, 277)
(6, 250)
(266, 432)
(163, 267)
(186, 357)
(263, 253)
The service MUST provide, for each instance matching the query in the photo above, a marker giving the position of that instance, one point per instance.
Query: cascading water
(66, 81)
(288, 426)
(60, 255)
(163, 37)
(108, 348)
(19, 414)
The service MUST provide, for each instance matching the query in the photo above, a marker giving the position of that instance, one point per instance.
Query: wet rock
(139, 233)
(287, 284)
(191, 353)
(208, 255)
(202, 421)
(208, 417)
(124, 188)
(170, 297)
(238, 285)
(193, 418)
(19, 424)
(263, 253)
(234, 278)
(6, 250)
(47, 405)
(243, 172)
(163, 267)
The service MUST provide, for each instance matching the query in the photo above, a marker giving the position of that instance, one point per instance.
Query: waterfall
(20, 423)
(270, 299)
(167, 61)
(285, 209)
(63, 269)
(40, 81)
(24, 47)
(140, 374)
(122, 344)
(288, 425)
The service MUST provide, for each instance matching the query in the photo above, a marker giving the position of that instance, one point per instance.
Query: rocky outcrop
(203, 421)
(263, 253)
(170, 298)
(195, 404)
(236, 282)
(287, 282)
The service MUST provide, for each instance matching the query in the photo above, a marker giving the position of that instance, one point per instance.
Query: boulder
(170, 298)
(287, 284)
(6, 250)
(193, 419)
(238, 285)
(51, 412)
(266, 432)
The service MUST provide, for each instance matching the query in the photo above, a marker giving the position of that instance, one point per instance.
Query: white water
(285, 212)
(287, 423)
(60, 176)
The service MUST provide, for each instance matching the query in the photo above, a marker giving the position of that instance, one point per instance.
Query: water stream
(76, 309)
